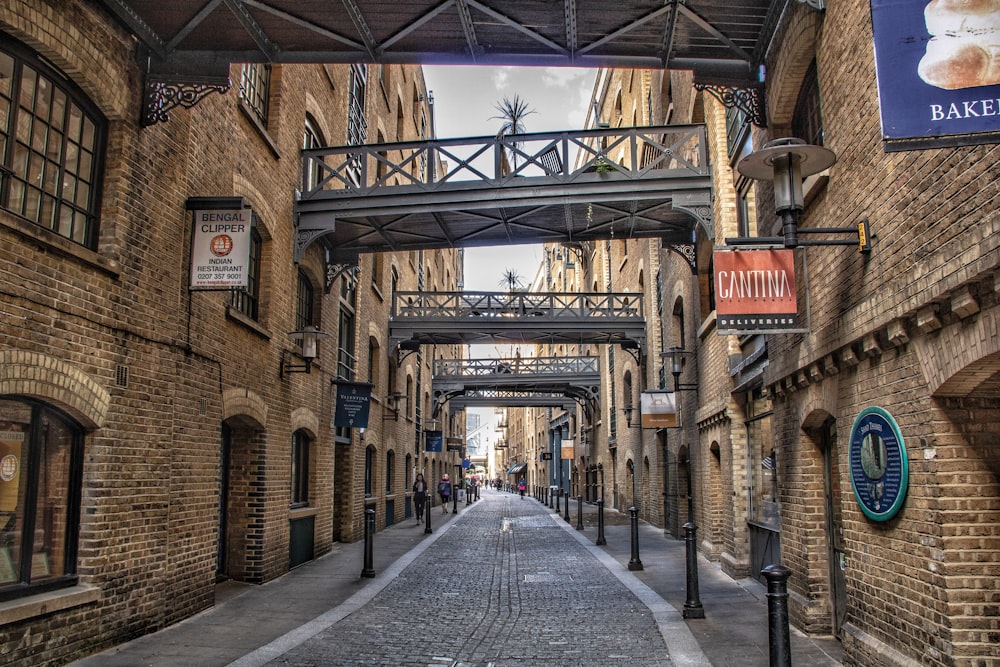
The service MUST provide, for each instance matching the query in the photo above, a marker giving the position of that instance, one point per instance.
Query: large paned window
(311, 138)
(255, 85)
(305, 299)
(247, 299)
(300, 469)
(51, 146)
(41, 462)
(807, 122)
(762, 462)
(357, 125)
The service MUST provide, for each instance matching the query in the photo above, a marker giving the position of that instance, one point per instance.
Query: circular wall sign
(879, 467)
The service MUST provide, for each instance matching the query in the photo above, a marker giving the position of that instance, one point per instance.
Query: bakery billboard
(938, 69)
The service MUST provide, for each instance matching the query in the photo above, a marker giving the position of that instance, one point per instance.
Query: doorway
(834, 525)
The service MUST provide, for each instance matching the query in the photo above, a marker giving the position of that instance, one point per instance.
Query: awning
(517, 468)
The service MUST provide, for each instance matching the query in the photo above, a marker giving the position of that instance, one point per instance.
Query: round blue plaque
(879, 467)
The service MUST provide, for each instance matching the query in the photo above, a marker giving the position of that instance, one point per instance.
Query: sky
(464, 100)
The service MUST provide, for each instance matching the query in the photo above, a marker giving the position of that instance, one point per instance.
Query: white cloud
(501, 77)
(563, 77)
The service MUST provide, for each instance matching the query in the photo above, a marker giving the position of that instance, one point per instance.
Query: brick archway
(57, 382)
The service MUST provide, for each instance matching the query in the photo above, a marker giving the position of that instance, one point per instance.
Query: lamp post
(692, 605)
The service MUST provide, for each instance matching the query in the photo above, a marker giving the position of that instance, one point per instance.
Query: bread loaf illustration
(964, 49)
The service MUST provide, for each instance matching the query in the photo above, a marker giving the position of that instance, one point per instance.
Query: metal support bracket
(748, 100)
(162, 94)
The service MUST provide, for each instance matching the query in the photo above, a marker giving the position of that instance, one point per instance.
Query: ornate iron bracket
(161, 95)
(334, 271)
(687, 251)
(748, 100)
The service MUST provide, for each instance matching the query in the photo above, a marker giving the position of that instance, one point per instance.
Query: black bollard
(427, 510)
(558, 495)
(454, 499)
(692, 606)
(548, 494)
(600, 522)
(777, 614)
(468, 495)
(579, 512)
(369, 569)
(634, 563)
(566, 507)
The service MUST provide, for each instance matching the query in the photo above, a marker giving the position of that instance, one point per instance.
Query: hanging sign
(755, 292)
(658, 409)
(567, 448)
(220, 248)
(879, 466)
(434, 441)
(353, 401)
(938, 78)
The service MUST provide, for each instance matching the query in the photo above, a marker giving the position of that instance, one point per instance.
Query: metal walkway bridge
(551, 187)
(574, 318)
(547, 381)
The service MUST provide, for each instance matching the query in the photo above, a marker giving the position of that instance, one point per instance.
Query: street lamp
(692, 605)
(308, 335)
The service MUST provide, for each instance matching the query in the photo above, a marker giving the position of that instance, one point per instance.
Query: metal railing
(563, 157)
(476, 305)
(516, 367)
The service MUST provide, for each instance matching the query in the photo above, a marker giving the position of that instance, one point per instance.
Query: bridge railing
(516, 366)
(497, 161)
(473, 305)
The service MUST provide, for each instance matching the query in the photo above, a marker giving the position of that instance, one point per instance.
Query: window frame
(246, 300)
(255, 90)
(23, 586)
(50, 190)
(300, 470)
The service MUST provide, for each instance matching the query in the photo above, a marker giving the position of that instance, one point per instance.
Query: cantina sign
(755, 292)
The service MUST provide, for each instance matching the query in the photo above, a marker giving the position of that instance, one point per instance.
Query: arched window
(247, 299)
(305, 298)
(300, 469)
(41, 467)
(390, 472)
(51, 147)
(369, 470)
(312, 138)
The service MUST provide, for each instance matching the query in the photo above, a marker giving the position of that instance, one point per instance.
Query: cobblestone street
(505, 585)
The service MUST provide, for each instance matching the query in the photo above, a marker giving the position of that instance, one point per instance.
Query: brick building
(775, 434)
(156, 439)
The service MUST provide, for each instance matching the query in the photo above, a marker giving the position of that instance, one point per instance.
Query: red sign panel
(755, 291)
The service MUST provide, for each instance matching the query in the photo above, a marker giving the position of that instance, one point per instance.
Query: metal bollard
(454, 499)
(600, 522)
(548, 494)
(579, 512)
(558, 495)
(777, 614)
(369, 569)
(692, 606)
(427, 511)
(634, 563)
(566, 503)
(468, 495)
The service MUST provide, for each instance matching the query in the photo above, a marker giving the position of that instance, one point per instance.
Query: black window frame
(83, 218)
(300, 470)
(255, 89)
(24, 586)
(246, 300)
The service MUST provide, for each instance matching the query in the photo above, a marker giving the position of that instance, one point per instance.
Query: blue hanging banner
(434, 441)
(353, 401)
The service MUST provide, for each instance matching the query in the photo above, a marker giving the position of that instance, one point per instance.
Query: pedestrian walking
(521, 486)
(419, 496)
(444, 490)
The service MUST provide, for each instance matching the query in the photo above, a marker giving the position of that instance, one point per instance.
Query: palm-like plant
(513, 111)
(511, 280)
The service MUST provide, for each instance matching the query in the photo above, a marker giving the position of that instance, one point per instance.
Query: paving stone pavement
(507, 585)
(504, 581)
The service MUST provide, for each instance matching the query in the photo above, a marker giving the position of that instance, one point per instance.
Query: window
(357, 125)
(255, 84)
(52, 147)
(373, 363)
(807, 123)
(300, 469)
(311, 138)
(305, 298)
(761, 459)
(247, 299)
(41, 465)
(390, 464)
(369, 470)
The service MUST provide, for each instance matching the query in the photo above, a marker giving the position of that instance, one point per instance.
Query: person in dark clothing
(419, 496)
(444, 490)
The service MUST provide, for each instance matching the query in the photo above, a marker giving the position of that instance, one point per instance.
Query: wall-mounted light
(308, 335)
(628, 410)
(392, 407)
